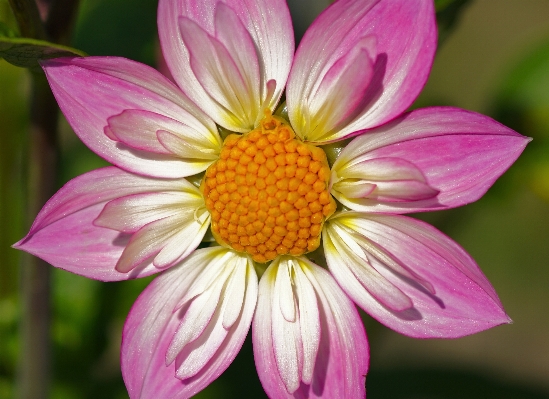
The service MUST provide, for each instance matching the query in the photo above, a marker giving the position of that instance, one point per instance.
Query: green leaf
(25, 52)
(6, 31)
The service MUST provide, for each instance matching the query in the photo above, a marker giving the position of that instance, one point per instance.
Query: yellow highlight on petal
(268, 192)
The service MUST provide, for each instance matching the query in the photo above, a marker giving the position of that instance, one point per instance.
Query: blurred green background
(494, 59)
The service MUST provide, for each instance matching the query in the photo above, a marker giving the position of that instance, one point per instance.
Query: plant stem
(28, 18)
(34, 364)
(35, 359)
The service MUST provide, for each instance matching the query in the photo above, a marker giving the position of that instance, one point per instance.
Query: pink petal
(166, 225)
(233, 91)
(188, 237)
(64, 235)
(153, 321)
(339, 96)
(181, 236)
(203, 329)
(395, 180)
(144, 130)
(405, 34)
(268, 24)
(342, 359)
(198, 156)
(460, 154)
(461, 301)
(93, 89)
(356, 272)
(130, 213)
(295, 324)
(76, 245)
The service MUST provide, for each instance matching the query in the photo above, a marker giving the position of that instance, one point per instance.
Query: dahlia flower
(232, 158)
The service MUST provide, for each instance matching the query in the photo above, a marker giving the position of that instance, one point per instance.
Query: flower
(207, 154)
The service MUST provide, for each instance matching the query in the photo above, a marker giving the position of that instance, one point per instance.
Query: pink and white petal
(140, 130)
(147, 242)
(169, 224)
(286, 334)
(403, 191)
(149, 328)
(191, 231)
(268, 23)
(91, 90)
(234, 99)
(198, 316)
(285, 302)
(309, 323)
(208, 278)
(97, 186)
(394, 180)
(153, 321)
(235, 290)
(343, 356)
(242, 282)
(169, 239)
(338, 97)
(219, 360)
(198, 156)
(237, 40)
(382, 169)
(137, 129)
(344, 190)
(130, 213)
(460, 153)
(151, 80)
(263, 340)
(352, 269)
(462, 301)
(405, 33)
(341, 362)
(74, 244)
(64, 235)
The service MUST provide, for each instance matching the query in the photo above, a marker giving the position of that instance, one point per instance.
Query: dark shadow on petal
(371, 95)
(375, 90)
(122, 240)
(422, 289)
(408, 314)
(135, 272)
(323, 355)
(416, 284)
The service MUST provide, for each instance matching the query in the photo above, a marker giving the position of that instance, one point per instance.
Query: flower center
(268, 193)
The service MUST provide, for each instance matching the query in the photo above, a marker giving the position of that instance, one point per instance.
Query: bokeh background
(493, 58)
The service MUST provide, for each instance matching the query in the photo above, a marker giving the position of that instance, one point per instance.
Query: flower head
(217, 152)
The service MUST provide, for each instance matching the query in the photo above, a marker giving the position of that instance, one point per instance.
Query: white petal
(286, 296)
(185, 148)
(221, 257)
(344, 255)
(129, 214)
(286, 335)
(196, 319)
(189, 235)
(295, 341)
(309, 321)
(234, 293)
(198, 353)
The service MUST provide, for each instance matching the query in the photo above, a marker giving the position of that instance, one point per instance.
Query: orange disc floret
(269, 192)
